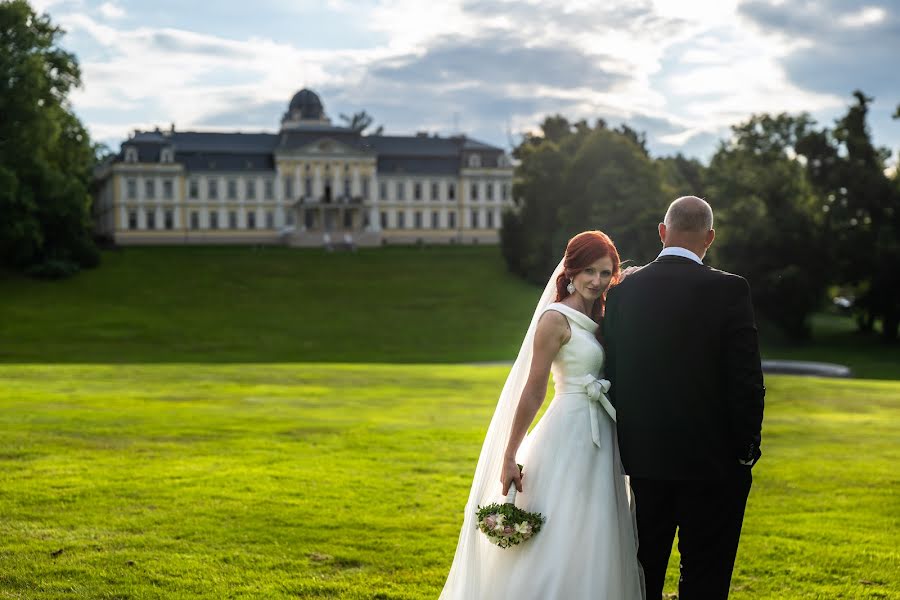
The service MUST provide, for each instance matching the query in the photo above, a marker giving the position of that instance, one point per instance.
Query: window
(417, 218)
(365, 188)
(384, 220)
(149, 188)
(308, 187)
(474, 161)
(212, 190)
(151, 219)
(451, 220)
(504, 191)
(169, 219)
(401, 185)
(131, 155)
(348, 220)
(168, 189)
(435, 220)
(232, 219)
(270, 220)
(269, 189)
(195, 220)
(288, 188)
(473, 193)
(251, 189)
(347, 187)
(417, 191)
(194, 188)
(382, 191)
(214, 220)
(131, 186)
(401, 220)
(474, 219)
(489, 192)
(435, 191)
(251, 220)
(232, 189)
(451, 191)
(132, 219)
(490, 219)
(166, 155)
(309, 219)
(289, 217)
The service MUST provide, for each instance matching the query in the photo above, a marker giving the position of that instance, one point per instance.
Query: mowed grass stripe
(348, 481)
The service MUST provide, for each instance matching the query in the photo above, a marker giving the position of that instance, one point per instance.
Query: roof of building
(308, 103)
(234, 151)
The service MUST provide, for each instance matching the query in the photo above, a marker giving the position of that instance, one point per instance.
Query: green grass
(348, 481)
(273, 304)
(245, 304)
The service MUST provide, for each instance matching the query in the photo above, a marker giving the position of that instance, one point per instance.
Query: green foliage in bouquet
(508, 525)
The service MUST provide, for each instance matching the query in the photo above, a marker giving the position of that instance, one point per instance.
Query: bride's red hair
(581, 251)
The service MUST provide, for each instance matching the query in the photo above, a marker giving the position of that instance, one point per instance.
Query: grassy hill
(244, 304)
(349, 481)
(241, 304)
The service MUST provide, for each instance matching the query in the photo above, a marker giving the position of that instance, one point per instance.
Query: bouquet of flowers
(506, 524)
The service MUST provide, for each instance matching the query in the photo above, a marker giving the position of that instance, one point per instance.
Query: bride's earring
(571, 287)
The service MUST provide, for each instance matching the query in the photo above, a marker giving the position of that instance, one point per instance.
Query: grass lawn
(348, 481)
(271, 304)
(244, 304)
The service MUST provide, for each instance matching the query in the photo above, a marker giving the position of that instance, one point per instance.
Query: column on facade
(318, 187)
(372, 203)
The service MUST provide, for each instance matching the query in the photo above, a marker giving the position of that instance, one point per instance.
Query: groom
(683, 359)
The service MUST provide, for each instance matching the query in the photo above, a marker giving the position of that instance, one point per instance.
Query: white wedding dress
(587, 548)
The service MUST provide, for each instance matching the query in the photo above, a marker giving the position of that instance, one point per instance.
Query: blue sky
(683, 71)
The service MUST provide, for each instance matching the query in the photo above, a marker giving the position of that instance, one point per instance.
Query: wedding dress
(573, 476)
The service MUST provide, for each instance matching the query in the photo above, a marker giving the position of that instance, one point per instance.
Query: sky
(682, 71)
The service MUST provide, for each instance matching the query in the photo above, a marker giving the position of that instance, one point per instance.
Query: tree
(45, 153)
(575, 177)
(769, 220)
(862, 222)
(682, 176)
(360, 121)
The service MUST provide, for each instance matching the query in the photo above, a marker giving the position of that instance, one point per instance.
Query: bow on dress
(596, 390)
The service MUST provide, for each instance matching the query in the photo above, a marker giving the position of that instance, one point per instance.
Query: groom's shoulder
(731, 281)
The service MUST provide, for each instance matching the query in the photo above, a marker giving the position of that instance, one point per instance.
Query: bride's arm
(551, 334)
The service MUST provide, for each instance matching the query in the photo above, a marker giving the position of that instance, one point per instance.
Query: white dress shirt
(682, 252)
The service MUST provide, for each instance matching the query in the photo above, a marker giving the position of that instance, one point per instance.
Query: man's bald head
(689, 214)
(688, 224)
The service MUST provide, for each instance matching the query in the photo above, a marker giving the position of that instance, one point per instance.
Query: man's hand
(510, 474)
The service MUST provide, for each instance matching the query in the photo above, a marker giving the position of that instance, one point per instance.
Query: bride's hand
(510, 474)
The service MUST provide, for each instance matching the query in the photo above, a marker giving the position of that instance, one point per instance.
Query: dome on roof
(307, 104)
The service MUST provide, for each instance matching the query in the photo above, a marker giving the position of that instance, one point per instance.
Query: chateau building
(307, 185)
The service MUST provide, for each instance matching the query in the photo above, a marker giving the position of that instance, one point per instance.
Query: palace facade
(310, 184)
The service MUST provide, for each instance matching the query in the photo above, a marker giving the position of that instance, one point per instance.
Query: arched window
(131, 154)
(474, 161)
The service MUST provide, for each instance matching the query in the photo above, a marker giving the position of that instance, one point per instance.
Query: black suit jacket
(683, 357)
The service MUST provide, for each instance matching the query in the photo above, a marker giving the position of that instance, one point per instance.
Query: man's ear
(662, 233)
(710, 236)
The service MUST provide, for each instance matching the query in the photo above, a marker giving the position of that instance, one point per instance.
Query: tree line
(800, 209)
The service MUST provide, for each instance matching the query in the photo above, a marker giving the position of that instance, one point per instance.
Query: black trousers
(708, 516)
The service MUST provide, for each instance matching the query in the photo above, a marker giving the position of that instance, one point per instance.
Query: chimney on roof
(171, 127)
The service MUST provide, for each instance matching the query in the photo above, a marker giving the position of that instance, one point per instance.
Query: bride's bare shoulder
(553, 324)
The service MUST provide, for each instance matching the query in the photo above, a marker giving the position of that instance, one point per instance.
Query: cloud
(843, 47)
(682, 72)
(112, 11)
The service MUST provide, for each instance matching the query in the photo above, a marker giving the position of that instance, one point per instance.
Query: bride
(573, 475)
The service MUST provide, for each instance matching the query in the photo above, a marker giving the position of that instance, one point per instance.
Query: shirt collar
(682, 252)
